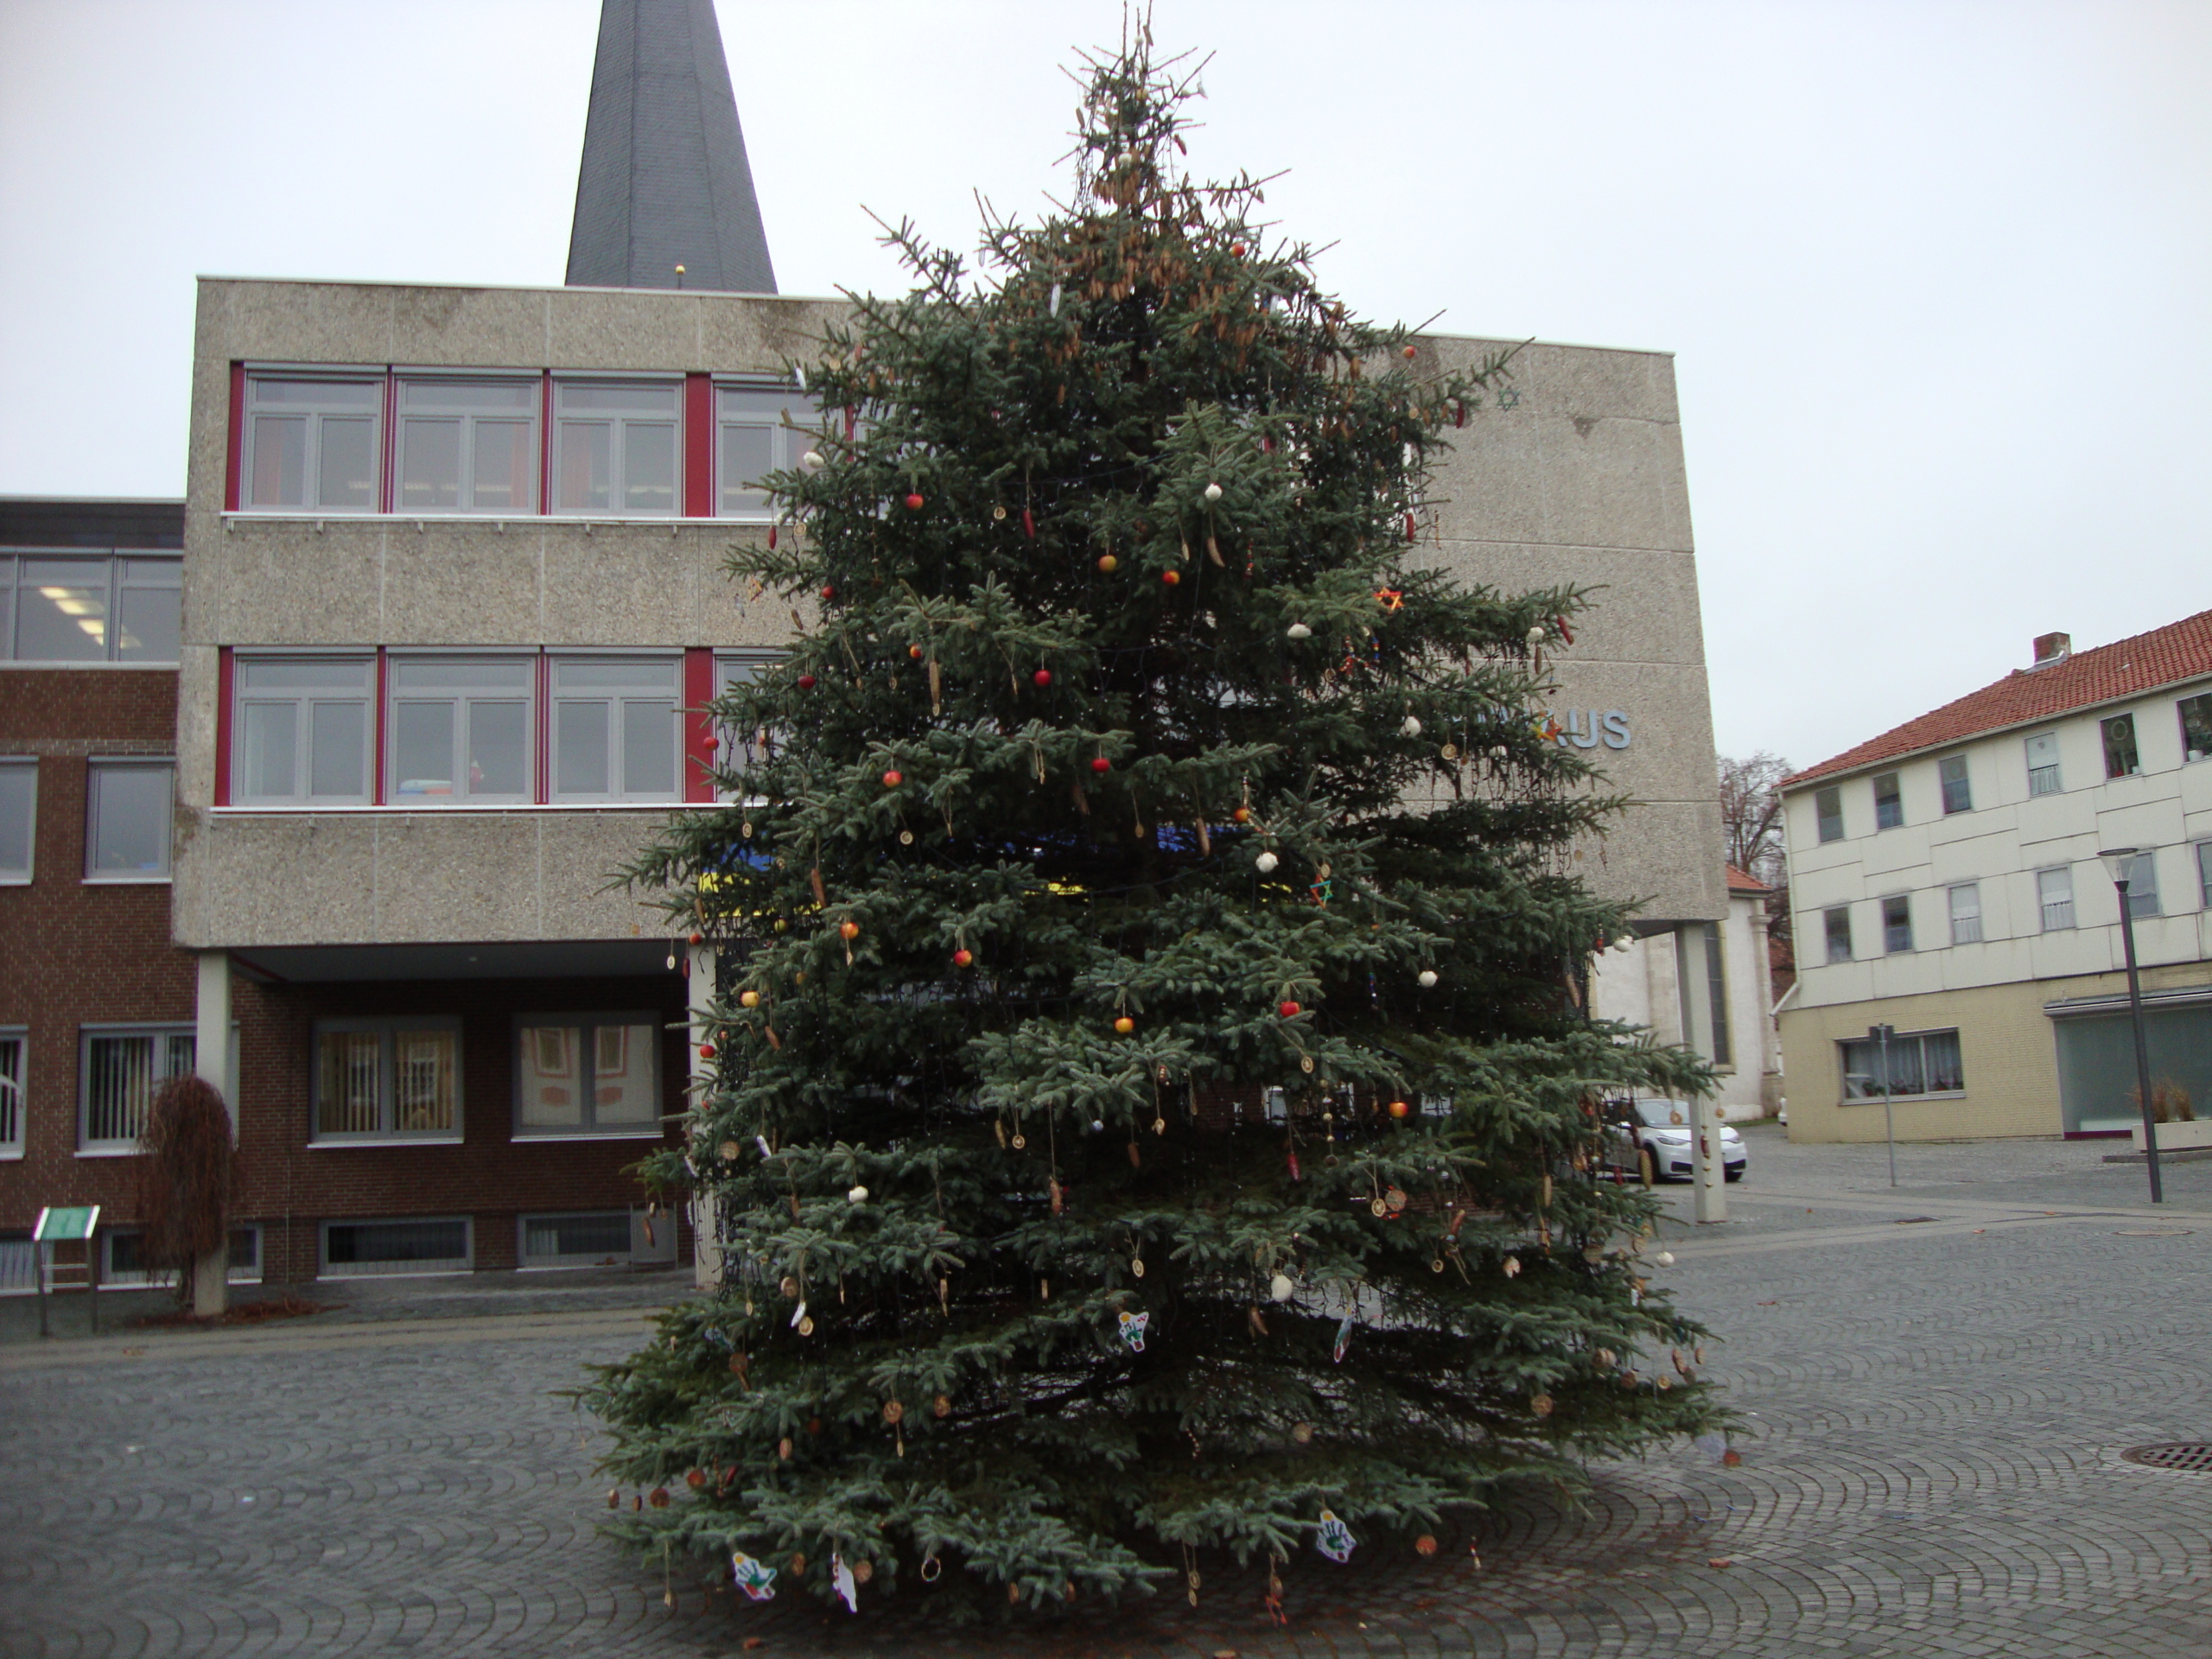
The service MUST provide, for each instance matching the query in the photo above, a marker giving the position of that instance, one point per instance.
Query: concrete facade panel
(262, 879)
(475, 328)
(285, 583)
(1643, 608)
(462, 876)
(581, 854)
(611, 328)
(451, 584)
(618, 585)
(302, 322)
(1605, 484)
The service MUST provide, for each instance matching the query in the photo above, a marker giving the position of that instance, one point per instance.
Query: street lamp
(2120, 862)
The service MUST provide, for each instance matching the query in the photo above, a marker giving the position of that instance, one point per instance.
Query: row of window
(74, 607)
(2122, 759)
(377, 1080)
(2053, 906)
(127, 813)
(430, 730)
(511, 445)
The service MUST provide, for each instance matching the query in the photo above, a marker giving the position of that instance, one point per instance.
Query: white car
(1651, 1137)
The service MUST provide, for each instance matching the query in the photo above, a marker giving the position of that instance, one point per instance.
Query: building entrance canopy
(310, 965)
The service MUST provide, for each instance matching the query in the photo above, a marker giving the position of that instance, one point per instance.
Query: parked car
(1650, 1137)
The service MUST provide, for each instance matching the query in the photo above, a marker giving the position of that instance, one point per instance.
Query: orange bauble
(1170, 578)
(893, 780)
(961, 958)
(749, 1000)
(1108, 564)
(1399, 1109)
(850, 930)
(1242, 815)
(1125, 1025)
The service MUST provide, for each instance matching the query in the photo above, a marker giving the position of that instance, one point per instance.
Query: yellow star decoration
(1393, 598)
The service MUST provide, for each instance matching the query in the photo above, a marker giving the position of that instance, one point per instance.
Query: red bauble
(1242, 815)
(706, 1051)
(1043, 677)
(827, 592)
(711, 741)
(806, 682)
(1409, 353)
(1170, 578)
(698, 939)
(893, 780)
(1237, 248)
(1028, 524)
(961, 958)
(915, 651)
(1101, 764)
(913, 503)
(1289, 1010)
(1399, 1109)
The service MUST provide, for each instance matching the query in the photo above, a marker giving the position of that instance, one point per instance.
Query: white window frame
(311, 461)
(1827, 936)
(1890, 948)
(170, 1059)
(1821, 818)
(1965, 781)
(2145, 864)
(463, 698)
(567, 423)
(2189, 756)
(418, 1268)
(122, 579)
(98, 769)
(2203, 854)
(587, 1023)
(387, 1029)
(2105, 744)
(2045, 905)
(1897, 1041)
(649, 1239)
(1896, 780)
(736, 749)
(15, 1063)
(113, 1278)
(1966, 926)
(468, 419)
(303, 701)
(789, 441)
(2047, 779)
(24, 766)
(615, 700)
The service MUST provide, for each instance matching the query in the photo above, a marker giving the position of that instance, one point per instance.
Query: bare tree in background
(1750, 823)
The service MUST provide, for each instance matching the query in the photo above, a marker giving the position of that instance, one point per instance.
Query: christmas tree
(1153, 1108)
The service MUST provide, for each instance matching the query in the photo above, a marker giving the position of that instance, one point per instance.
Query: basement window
(374, 1248)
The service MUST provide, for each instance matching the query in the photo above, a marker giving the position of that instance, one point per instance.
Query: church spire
(664, 181)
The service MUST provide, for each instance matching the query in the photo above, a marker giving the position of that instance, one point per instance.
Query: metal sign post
(1880, 1035)
(65, 1224)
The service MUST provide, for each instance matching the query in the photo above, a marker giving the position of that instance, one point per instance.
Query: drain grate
(2192, 1455)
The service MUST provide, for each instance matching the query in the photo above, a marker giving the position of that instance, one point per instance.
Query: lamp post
(2120, 861)
(1880, 1035)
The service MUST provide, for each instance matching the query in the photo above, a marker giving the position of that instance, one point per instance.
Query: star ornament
(1392, 599)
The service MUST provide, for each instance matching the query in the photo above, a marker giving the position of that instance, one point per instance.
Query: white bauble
(858, 1195)
(1279, 1287)
(1410, 726)
(1429, 979)
(1213, 493)
(1298, 630)
(1265, 864)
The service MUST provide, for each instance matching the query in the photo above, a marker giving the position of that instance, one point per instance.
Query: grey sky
(1936, 276)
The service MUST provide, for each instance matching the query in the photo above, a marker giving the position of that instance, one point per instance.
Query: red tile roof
(2180, 651)
(1739, 882)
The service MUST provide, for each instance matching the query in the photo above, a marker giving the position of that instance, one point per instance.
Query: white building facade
(1945, 881)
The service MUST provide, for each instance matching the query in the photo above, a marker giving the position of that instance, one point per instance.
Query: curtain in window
(346, 1093)
(119, 1086)
(423, 1066)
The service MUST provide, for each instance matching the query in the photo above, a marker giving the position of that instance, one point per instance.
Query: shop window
(1918, 1062)
(2121, 759)
(387, 1079)
(467, 446)
(615, 445)
(12, 1043)
(1958, 792)
(1837, 922)
(2043, 764)
(18, 819)
(615, 733)
(2054, 896)
(588, 1074)
(1966, 913)
(128, 807)
(1889, 802)
(121, 1069)
(1896, 925)
(458, 730)
(76, 609)
(312, 443)
(366, 1249)
(2196, 715)
(302, 729)
(753, 440)
(1828, 810)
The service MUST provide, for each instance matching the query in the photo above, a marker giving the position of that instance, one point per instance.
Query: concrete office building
(1946, 882)
(453, 595)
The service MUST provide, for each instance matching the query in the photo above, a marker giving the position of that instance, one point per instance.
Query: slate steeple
(664, 181)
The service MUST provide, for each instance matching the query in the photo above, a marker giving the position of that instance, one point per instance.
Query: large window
(312, 443)
(2143, 885)
(2054, 897)
(366, 1248)
(122, 1069)
(752, 441)
(616, 444)
(11, 1094)
(467, 446)
(2196, 715)
(1837, 924)
(741, 749)
(1889, 802)
(459, 729)
(387, 1079)
(303, 726)
(1918, 1063)
(18, 819)
(2043, 764)
(1958, 792)
(1896, 923)
(1827, 812)
(615, 733)
(2120, 758)
(588, 1074)
(2204, 874)
(1966, 913)
(75, 608)
(127, 814)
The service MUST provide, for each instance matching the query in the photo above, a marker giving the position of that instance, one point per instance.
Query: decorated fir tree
(1153, 1108)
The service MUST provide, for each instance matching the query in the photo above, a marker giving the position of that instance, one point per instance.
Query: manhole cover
(2194, 1455)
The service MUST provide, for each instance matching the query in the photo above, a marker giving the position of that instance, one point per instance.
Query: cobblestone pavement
(1935, 1411)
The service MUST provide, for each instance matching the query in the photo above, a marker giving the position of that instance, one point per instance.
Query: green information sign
(57, 1224)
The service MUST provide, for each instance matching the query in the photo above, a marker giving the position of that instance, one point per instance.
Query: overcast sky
(1937, 277)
